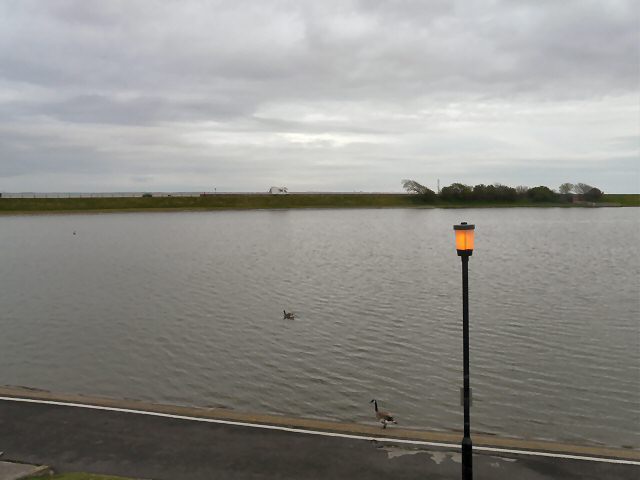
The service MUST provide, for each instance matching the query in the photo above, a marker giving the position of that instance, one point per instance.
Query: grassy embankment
(262, 201)
(209, 202)
(624, 199)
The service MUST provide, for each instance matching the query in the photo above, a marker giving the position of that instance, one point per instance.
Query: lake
(186, 308)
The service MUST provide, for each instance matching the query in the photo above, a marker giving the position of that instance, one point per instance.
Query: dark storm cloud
(228, 85)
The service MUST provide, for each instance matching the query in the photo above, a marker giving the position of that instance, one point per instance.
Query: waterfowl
(289, 316)
(382, 416)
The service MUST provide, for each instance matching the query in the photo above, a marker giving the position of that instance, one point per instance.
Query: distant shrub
(146, 195)
(480, 192)
(456, 191)
(593, 194)
(429, 195)
(521, 191)
(542, 194)
(494, 192)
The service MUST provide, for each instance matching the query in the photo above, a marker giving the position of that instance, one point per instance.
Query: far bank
(249, 201)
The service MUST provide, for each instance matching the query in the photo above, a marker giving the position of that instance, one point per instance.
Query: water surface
(186, 308)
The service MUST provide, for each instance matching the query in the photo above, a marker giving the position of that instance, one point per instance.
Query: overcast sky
(319, 95)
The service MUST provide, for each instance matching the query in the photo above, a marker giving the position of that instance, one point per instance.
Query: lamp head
(464, 238)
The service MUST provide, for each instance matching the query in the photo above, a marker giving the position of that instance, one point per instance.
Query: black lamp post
(464, 247)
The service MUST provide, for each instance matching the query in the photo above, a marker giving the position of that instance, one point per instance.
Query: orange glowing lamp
(464, 238)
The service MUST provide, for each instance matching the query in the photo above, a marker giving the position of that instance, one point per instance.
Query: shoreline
(264, 201)
(41, 206)
(8, 213)
(312, 426)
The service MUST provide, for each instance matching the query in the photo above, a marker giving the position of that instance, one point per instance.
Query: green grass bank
(624, 199)
(264, 201)
(209, 202)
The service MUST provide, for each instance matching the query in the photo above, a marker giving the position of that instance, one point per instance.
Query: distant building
(278, 190)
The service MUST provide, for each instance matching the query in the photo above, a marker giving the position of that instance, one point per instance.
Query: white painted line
(321, 433)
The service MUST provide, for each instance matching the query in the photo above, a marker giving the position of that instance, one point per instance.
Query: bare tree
(411, 186)
(522, 189)
(566, 188)
(581, 188)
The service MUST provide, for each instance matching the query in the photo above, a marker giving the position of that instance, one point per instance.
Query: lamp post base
(467, 459)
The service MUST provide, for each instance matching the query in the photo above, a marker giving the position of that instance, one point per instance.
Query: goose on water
(289, 316)
(382, 416)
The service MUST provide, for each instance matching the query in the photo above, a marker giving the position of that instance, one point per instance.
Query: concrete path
(145, 446)
(17, 471)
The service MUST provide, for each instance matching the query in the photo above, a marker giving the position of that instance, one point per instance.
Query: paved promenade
(195, 444)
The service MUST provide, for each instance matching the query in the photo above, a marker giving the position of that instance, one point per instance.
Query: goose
(288, 316)
(382, 416)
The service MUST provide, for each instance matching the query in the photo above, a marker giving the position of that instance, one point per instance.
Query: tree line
(567, 192)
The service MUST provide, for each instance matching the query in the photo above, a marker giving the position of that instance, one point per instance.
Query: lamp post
(464, 247)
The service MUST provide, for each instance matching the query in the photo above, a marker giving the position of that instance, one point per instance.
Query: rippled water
(186, 308)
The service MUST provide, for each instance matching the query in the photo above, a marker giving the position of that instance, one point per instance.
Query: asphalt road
(141, 446)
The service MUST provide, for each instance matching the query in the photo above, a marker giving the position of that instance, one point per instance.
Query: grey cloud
(330, 50)
(24, 154)
(289, 125)
(138, 110)
(302, 88)
(627, 142)
(622, 171)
